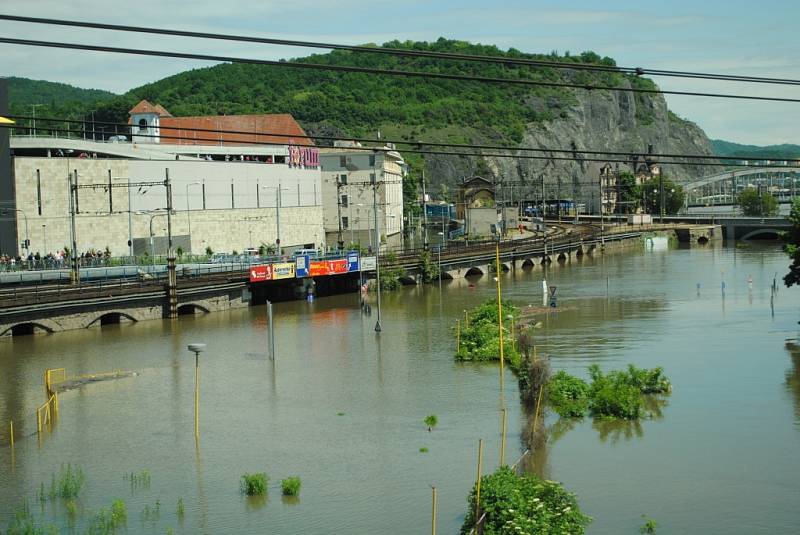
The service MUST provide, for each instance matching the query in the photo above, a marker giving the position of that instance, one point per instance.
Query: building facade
(358, 186)
(224, 197)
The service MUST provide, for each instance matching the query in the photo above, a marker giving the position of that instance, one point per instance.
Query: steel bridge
(722, 188)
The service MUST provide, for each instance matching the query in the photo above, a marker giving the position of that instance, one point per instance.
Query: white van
(305, 252)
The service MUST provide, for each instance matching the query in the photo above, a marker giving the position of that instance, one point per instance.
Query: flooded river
(342, 408)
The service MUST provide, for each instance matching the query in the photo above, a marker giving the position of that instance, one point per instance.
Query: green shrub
(524, 504)
(649, 526)
(423, 450)
(431, 421)
(255, 484)
(649, 381)
(568, 395)
(290, 486)
(480, 338)
(68, 484)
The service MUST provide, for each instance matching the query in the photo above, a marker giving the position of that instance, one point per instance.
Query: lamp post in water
(197, 349)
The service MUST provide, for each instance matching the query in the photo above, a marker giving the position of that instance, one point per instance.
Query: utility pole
(661, 190)
(541, 177)
(558, 200)
(169, 212)
(75, 277)
(339, 210)
(424, 214)
(378, 327)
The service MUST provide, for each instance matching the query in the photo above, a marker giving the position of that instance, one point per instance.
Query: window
(345, 223)
(142, 125)
(342, 179)
(342, 161)
(38, 192)
(372, 178)
(372, 160)
(344, 201)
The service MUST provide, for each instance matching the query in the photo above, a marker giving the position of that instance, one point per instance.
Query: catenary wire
(403, 52)
(368, 70)
(437, 152)
(395, 142)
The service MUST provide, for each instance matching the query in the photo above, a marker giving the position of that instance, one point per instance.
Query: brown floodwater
(342, 407)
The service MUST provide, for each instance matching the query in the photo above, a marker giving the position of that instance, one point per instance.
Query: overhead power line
(368, 70)
(505, 60)
(574, 158)
(417, 143)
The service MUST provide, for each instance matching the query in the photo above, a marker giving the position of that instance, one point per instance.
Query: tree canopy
(755, 204)
(792, 246)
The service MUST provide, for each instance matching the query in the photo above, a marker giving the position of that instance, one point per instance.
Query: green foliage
(770, 152)
(568, 395)
(24, 523)
(480, 339)
(423, 450)
(138, 480)
(616, 394)
(181, 510)
(524, 504)
(649, 526)
(209, 251)
(674, 196)
(431, 421)
(390, 275)
(757, 205)
(427, 267)
(792, 246)
(107, 521)
(67, 484)
(255, 484)
(290, 486)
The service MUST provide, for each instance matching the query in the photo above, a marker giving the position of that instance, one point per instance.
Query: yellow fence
(52, 377)
(47, 412)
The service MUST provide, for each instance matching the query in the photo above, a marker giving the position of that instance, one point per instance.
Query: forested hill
(356, 104)
(770, 152)
(23, 92)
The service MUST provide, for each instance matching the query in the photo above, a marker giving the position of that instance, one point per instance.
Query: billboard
(301, 266)
(284, 270)
(260, 273)
(352, 262)
(319, 268)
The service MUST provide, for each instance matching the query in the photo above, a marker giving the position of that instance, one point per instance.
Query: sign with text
(260, 273)
(352, 262)
(303, 156)
(284, 270)
(301, 266)
(319, 268)
(369, 263)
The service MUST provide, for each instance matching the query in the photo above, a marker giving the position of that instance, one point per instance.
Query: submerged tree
(792, 246)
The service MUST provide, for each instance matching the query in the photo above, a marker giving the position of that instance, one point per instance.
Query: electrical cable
(369, 70)
(447, 153)
(638, 71)
(384, 141)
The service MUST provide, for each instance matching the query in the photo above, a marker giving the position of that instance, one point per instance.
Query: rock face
(597, 120)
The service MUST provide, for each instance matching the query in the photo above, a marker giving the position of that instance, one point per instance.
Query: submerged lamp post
(197, 349)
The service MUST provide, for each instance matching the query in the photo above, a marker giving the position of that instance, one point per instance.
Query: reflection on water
(730, 430)
(793, 377)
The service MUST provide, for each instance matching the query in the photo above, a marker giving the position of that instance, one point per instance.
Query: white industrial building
(228, 193)
(358, 185)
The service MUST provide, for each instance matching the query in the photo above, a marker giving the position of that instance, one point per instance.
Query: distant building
(225, 192)
(609, 189)
(474, 192)
(645, 167)
(349, 176)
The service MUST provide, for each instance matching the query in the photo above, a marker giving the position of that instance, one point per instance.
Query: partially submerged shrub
(431, 420)
(524, 504)
(68, 484)
(255, 484)
(291, 486)
(568, 395)
(480, 338)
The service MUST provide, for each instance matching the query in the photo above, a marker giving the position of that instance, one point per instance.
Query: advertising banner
(284, 270)
(319, 268)
(352, 262)
(301, 266)
(260, 273)
(369, 263)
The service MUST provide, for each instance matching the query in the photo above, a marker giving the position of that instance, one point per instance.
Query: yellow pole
(196, 396)
(11, 431)
(503, 440)
(458, 335)
(478, 485)
(433, 513)
(500, 315)
(536, 414)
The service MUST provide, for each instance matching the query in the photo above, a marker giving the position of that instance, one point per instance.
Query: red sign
(260, 273)
(303, 156)
(328, 267)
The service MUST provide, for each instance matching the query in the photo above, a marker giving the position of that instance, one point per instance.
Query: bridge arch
(762, 233)
(474, 270)
(26, 328)
(447, 276)
(191, 308)
(528, 263)
(407, 280)
(112, 318)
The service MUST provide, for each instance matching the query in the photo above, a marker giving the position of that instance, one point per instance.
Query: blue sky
(731, 37)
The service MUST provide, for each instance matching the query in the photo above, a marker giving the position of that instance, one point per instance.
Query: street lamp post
(278, 190)
(44, 239)
(73, 193)
(197, 349)
(189, 213)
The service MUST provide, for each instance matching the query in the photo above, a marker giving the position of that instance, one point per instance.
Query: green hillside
(769, 152)
(24, 92)
(360, 104)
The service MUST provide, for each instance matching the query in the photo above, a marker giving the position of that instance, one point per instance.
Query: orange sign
(319, 268)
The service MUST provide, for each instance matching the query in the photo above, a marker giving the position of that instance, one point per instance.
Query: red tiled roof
(145, 107)
(282, 126)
